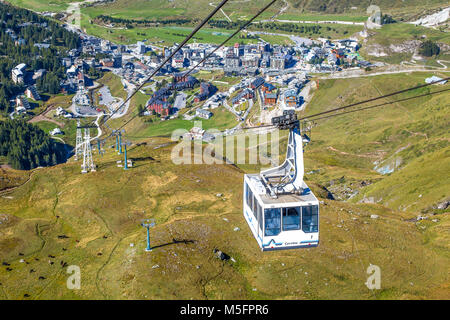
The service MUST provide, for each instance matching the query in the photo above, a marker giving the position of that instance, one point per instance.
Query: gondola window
(310, 219)
(291, 219)
(272, 222)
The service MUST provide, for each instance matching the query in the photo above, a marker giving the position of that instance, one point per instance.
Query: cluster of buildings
(327, 55)
(263, 58)
(160, 101)
(20, 76)
(268, 92)
(261, 65)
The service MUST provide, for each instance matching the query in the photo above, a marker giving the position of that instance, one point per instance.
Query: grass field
(221, 120)
(169, 34)
(414, 133)
(323, 17)
(114, 84)
(43, 5)
(99, 214)
(354, 10)
(399, 32)
(61, 217)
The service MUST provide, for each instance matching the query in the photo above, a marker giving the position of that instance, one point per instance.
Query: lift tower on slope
(79, 142)
(88, 162)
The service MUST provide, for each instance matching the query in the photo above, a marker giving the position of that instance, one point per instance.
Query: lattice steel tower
(88, 162)
(79, 142)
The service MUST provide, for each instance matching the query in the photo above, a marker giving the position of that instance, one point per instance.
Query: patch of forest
(130, 23)
(26, 146)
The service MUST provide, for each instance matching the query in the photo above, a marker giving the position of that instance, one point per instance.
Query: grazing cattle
(26, 295)
(50, 256)
(9, 269)
(6, 264)
(41, 278)
(32, 270)
(21, 254)
(64, 249)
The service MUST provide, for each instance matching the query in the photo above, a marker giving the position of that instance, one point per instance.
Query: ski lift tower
(148, 223)
(119, 135)
(279, 207)
(127, 163)
(88, 162)
(79, 141)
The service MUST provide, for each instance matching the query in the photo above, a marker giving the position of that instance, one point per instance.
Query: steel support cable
(327, 117)
(381, 105)
(361, 109)
(373, 99)
(189, 37)
(249, 22)
(215, 50)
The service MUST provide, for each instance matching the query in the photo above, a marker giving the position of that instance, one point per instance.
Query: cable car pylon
(79, 141)
(127, 162)
(88, 162)
(147, 224)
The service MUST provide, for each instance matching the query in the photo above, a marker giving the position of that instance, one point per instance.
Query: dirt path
(368, 156)
(6, 191)
(43, 117)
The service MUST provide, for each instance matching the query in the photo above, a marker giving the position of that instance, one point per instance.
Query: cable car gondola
(280, 209)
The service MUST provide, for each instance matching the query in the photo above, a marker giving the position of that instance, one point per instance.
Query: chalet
(202, 113)
(244, 94)
(18, 73)
(195, 134)
(38, 74)
(42, 45)
(270, 98)
(268, 87)
(32, 93)
(257, 83)
(436, 80)
(292, 99)
(206, 91)
(22, 102)
(56, 131)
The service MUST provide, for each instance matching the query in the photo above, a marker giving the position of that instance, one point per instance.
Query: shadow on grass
(175, 241)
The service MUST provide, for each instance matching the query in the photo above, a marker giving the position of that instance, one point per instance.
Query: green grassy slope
(100, 215)
(412, 136)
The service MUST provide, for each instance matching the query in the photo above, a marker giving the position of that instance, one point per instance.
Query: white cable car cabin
(280, 209)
